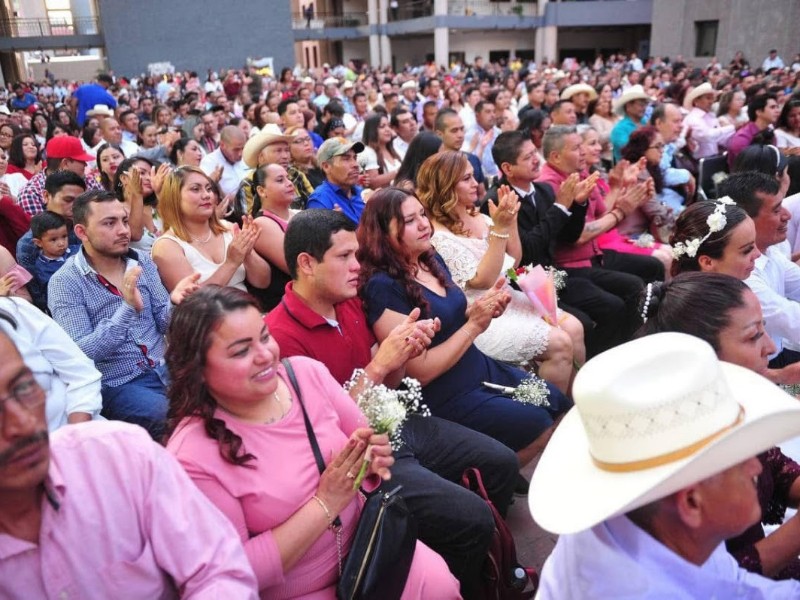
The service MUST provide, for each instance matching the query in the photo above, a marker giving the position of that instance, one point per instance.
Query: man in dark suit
(546, 219)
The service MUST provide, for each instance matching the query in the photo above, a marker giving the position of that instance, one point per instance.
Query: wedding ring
(350, 475)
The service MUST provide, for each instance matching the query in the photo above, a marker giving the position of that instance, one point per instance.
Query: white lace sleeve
(457, 257)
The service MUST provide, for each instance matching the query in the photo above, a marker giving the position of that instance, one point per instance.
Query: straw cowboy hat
(652, 417)
(693, 94)
(270, 134)
(100, 110)
(635, 92)
(579, 88)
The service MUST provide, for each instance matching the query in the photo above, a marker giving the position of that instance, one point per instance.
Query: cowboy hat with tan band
(703, 89)
(579, 88)
(652, 417)
(635, 92)
(269, 134)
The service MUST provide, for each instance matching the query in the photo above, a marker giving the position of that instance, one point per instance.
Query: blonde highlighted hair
(436, 188)
(169, 203)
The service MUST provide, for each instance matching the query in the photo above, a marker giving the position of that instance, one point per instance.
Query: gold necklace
(199, 241)
(283, 414)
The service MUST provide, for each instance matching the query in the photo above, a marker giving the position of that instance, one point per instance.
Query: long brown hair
(169, 203)
(379, 252)
(436, 188)
(188, 340)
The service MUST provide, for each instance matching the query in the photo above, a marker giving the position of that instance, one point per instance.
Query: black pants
(606, 297)
(452, 520)
(784, 359)
(647, 268)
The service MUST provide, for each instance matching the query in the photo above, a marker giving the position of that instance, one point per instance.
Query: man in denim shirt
(110, 300)
(339, 191)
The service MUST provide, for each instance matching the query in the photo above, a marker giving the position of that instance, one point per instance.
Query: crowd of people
(166, 242)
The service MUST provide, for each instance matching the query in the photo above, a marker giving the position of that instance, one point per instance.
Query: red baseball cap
(66, 146)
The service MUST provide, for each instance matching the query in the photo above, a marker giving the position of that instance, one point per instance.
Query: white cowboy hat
(331, 81)
(693, 94)
(578, 88)
(635, 92)
(652, 417)
(409, 85)
(269, 134)
(100, 110)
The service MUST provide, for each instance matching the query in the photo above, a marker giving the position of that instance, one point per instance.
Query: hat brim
(257, 143)
(87, 158)
(619, 106)
(572, 90)
(569, 493)
(699, 91)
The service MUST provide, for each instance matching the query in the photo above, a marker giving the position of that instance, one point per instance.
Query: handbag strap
(312, 438)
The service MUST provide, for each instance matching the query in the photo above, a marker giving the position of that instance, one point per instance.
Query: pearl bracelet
(501, 236)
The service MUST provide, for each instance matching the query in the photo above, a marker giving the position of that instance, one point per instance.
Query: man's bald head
(231, 143)
(111, 130)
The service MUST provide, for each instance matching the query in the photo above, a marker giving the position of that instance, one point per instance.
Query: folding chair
(707, 168)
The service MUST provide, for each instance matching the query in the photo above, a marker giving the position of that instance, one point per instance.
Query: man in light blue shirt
(668, 120)
(480, 138)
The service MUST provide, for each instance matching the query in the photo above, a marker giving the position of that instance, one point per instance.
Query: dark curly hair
(188, 340)
(637, 147)
(380, 252)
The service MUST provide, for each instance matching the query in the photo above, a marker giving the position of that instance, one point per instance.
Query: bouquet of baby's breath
(532, 390)
(791, 388)
(386, 410)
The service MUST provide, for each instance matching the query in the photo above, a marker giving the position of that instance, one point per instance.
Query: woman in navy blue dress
(400, 270)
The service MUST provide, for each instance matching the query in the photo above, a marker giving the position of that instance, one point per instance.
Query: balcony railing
(325, 20)
(410, 10)
(47, 27)
(483, 7)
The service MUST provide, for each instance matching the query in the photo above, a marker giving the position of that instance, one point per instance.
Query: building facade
(394, 32)
(127, 36)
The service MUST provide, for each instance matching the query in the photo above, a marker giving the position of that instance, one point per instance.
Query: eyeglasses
(6, 135)
(27, 393)
(302, 140)
(659, 147)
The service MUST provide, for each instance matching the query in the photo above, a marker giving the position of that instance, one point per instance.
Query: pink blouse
(284, 476)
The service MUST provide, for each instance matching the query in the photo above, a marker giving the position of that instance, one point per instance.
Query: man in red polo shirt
(320, 316)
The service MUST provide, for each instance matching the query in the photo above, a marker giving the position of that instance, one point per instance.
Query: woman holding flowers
(400, 270)
(237, 427)
(478, 249)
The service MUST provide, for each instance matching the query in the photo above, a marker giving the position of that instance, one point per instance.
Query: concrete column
(441, 35)
(547, 36)
(374, 38)
(386, 43)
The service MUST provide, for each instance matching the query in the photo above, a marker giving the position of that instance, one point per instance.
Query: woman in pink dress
(237, 428)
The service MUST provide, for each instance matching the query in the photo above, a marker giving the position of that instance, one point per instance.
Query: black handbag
(383, 547)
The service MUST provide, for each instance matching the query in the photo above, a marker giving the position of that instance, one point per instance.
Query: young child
(49, 231)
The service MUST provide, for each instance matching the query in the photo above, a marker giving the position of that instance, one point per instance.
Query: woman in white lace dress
(478, 250)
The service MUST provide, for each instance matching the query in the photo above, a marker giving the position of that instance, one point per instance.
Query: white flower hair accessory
(716, 221)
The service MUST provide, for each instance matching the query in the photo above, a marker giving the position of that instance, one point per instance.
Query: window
(60, 16)
(705, 38)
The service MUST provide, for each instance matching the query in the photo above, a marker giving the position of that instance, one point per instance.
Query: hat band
(669, 457)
